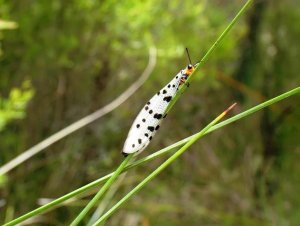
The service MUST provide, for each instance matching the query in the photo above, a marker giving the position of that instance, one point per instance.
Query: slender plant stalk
(155, 155)
(161, 167)
(107, 200)
(209, 52)
(102, 191)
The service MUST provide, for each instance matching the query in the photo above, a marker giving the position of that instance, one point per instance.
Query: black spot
(140, 141)
(151, 128)
(125, 154)
(148, 103)
(158, 116)
(146, 134)
(173, 86)
(137, 125)
(144, 120)
(158, 93)
(146, 108)
(168, 98)
(157, 127)
(169, 86)
(133, 145)
(150, 112)
(165, 115)
(164, 91)
(177, 77)
(150, 138)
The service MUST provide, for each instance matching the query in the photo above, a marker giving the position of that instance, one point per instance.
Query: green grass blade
(102, 191)
(160, 168)
(155, 155)
(209, 52)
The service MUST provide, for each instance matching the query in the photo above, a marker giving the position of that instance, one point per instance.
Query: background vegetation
(61, 60)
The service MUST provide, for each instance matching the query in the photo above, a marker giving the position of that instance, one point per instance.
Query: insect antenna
(188, 54)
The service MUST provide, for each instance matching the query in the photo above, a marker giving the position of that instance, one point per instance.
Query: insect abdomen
(148, 120)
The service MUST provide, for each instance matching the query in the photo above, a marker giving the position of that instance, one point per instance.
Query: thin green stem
(102, 191)
(155, 155)
(160, 168)
(209, 52)
(224, 33)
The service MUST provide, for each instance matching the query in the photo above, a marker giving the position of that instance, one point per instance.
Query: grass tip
(228, 109)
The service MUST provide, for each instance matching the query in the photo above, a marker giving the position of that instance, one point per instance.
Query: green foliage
(14, 107)
(4, 25)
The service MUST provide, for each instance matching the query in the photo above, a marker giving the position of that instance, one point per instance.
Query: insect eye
(190, 66)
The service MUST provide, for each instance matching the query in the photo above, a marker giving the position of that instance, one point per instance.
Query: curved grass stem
(29, 153)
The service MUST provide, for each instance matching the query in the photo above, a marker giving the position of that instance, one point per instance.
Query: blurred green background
(62, 60)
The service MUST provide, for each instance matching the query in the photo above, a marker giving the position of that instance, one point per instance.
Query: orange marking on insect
(189, 71)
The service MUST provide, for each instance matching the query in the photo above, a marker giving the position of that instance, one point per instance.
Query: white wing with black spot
(148, 120)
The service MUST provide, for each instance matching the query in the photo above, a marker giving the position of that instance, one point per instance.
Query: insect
(150, 117)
